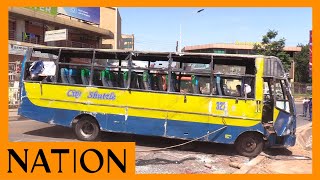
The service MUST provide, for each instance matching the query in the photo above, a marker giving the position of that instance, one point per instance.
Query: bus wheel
(250, 144)
(87, 129)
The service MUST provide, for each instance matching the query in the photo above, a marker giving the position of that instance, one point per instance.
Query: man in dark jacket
(310, 108)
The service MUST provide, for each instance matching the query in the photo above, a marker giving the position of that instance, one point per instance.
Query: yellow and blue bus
(233, 99)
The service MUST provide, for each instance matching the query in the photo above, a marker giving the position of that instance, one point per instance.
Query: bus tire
(87, 129)
(249, 144)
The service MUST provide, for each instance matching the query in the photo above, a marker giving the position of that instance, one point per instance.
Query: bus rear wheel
(87, 129)
(249, 144)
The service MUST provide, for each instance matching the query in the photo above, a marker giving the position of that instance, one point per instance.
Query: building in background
(232, 48)
(94, 27)
(111, 20)
(239, 48)
(128, 41)
(80, 27)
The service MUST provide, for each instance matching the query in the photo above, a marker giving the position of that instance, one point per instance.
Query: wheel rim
(87, 129)
(249, 144)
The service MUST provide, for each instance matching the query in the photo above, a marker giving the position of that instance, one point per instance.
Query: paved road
(197, 157)
(300, 119)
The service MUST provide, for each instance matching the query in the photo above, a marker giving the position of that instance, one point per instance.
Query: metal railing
(301, 88)
(68, 43)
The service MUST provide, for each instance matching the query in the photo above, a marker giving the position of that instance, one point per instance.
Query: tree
(301, 60)
(271, 47)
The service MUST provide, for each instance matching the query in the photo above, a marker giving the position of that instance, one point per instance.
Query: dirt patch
(185, 162)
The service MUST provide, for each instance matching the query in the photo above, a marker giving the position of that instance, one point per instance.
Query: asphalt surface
(196, 157)
(300, 119)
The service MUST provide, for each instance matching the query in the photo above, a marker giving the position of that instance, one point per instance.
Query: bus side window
(185, 85)
(159, 81)
(249, 81)
(282, 101)
(195, 84)
(232, 87)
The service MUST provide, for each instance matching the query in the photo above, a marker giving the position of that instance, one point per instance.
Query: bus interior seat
(173, 82)
(96, 79)
(195, 84)
(134, 80)
(159, 82)
(119, 79)
(140, 81)
(125, 79)
(153, 85)
(106, 78)
(85, 76)
(73, 76)
(64, 73)
(146, 80)
(114, 79)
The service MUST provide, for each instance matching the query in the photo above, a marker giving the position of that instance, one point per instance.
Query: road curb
(16, 118)
(304, 136)
(248, 166)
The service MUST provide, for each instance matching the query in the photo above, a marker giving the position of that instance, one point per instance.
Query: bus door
(278, 107)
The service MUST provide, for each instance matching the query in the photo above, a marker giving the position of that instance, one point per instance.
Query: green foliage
(271, 47)
(301, 60)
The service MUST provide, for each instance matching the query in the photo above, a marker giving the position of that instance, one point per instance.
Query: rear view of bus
(231, 99)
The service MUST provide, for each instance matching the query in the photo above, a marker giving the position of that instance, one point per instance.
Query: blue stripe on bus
(139, 125)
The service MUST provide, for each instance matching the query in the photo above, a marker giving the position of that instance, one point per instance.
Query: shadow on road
(160, 161)
(278, 152)
(152, 142)
(53, 132)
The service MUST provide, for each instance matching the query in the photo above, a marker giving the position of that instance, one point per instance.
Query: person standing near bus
(310, 108)
(305, 103)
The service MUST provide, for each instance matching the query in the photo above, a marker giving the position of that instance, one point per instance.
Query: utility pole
(180, 45)
(177, 46)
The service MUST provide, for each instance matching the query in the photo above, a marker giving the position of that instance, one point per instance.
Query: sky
(158, 29)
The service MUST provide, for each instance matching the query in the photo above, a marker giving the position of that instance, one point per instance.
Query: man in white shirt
(305, 106)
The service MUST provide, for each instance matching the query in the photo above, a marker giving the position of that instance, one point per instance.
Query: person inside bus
(238, 90)
(247, 91)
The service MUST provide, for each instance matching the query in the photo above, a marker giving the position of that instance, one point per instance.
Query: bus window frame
(169, 69)
(74, 64)
(29, 56)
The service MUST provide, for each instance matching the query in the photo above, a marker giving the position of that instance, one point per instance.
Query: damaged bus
(233, 99)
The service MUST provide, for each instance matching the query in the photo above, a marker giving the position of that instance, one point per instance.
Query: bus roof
(273, 66)
(151, 53)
